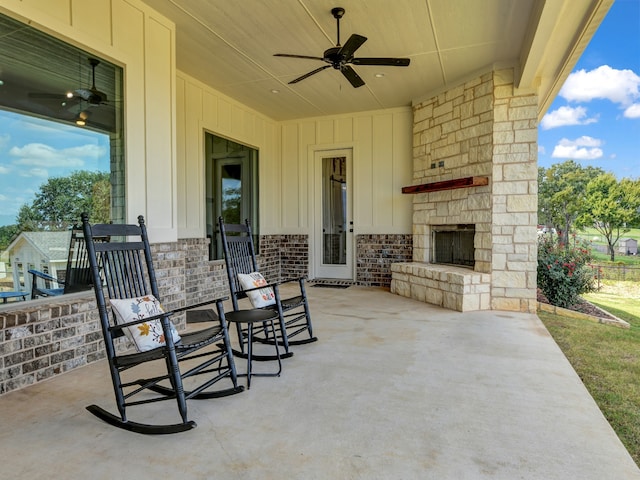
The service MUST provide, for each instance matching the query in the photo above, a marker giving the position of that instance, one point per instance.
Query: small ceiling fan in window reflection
(91, 95)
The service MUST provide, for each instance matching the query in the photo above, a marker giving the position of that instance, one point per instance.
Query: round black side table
(251, 317)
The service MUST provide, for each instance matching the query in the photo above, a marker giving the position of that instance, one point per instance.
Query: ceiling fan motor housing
(332, 56)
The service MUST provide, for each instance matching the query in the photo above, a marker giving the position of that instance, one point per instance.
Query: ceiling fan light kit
(342, 57)
(81, 118)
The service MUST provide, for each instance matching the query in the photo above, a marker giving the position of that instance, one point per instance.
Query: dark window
(231, 186)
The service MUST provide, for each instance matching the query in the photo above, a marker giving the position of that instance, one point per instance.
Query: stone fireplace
(453, 245)
(474, 198)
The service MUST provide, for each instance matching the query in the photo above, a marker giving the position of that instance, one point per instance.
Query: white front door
(333, 252)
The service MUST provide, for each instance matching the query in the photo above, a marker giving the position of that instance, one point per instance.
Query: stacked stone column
(484, 127)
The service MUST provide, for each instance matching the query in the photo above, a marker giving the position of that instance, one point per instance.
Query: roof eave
(558, 34)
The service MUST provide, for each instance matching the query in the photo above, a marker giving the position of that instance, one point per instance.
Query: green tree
(28, 220)
(561, 190)
(61, 200)
(7, 234)
(101, 211)
(611, 207)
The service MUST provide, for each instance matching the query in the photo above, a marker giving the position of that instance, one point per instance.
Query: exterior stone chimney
(485, 133)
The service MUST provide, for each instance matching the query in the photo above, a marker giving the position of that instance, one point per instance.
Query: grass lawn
(605, 259)
(607, 358)
(620, 298)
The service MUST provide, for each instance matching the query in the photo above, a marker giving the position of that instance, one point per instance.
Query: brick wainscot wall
(47, 337)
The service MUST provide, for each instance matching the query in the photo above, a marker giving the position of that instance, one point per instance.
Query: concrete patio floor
(394, 389)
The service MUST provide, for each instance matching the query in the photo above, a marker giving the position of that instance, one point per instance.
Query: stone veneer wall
(514, 197)
(481, 128)
(374, 255)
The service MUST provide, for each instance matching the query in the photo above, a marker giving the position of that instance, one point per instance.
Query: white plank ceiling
(230, 45)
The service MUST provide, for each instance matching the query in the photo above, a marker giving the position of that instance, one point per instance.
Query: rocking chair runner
(130, 281)
(294, 318)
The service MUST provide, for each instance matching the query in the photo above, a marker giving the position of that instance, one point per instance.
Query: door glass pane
(334, 211)
(231, 178)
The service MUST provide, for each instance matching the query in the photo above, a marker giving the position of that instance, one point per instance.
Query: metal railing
(620, 272)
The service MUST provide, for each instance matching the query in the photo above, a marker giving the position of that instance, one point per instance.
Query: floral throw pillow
(147, 335)
(259, 298)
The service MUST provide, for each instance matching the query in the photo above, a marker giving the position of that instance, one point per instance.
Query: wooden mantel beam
(447, 185)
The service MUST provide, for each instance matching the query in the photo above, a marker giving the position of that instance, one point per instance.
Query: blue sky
(595, 119)
(33, 150)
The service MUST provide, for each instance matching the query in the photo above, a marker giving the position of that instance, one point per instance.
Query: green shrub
(563, 270)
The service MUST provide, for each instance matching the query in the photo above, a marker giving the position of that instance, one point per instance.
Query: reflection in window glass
(61, 150)
(232, 188)
(231, 177)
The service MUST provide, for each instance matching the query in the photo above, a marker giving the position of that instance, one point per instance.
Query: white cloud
(40, 155)
(618, 86)
(4, 170)
(542, 150)
(4, 140)
(35, 172)
(583, 148)
(633, 111)
(566, 116)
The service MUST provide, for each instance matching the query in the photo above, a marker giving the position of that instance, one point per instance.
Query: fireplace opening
(454, 245)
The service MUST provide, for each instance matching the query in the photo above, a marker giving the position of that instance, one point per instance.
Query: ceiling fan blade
(295, 56)
(48, 96)
(63, 100)
(354, 43)
(352, 76)
(307, 75)
(391, 62)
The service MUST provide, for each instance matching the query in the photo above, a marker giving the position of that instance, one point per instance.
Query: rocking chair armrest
(167, 314)
(45, 276)
(121, 326)
(201, 304)
(272, 285)
(245, 290)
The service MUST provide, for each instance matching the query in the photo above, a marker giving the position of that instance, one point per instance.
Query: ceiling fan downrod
(94, 62)
(337, 13)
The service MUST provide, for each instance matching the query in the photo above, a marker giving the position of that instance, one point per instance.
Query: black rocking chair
(128, 273)
(294, 317)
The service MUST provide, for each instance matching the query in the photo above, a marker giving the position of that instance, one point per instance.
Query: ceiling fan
(91, 95)
(341, 57)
